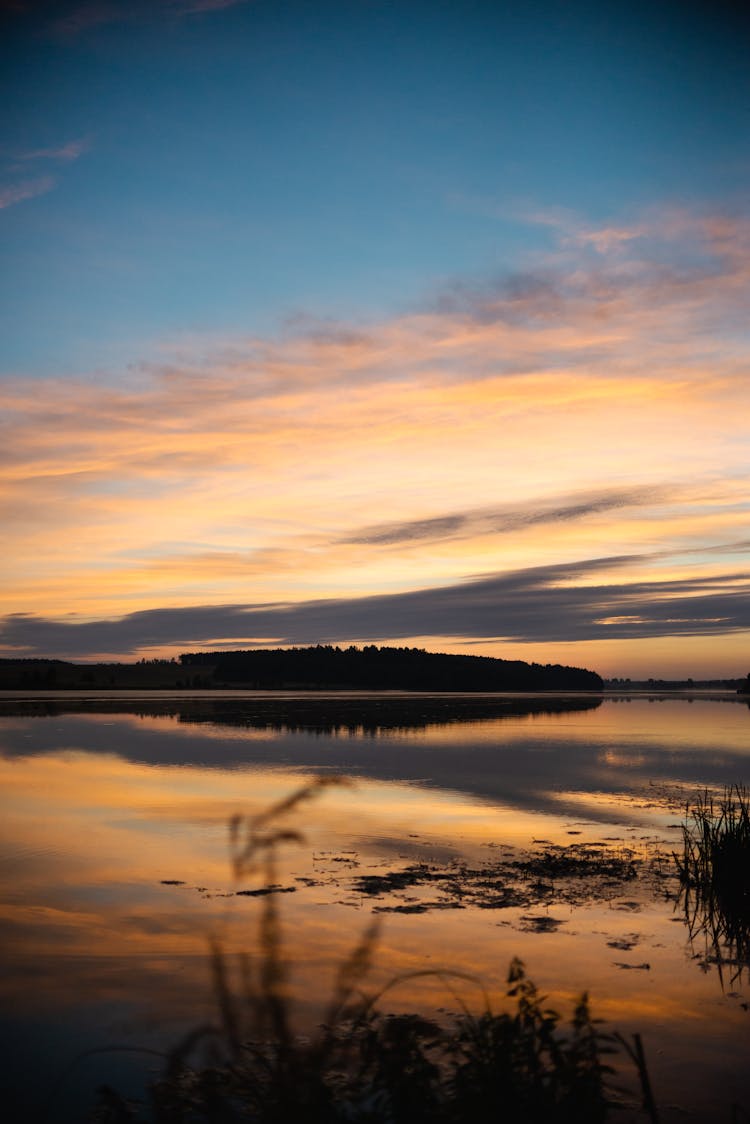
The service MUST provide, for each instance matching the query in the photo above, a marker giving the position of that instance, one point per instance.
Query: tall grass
(714, 870)
(364, 1065)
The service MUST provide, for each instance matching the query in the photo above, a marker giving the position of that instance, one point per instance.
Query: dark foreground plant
(714, 870)
(364, 1066)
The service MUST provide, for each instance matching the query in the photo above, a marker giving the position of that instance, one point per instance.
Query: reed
(364, 1065)
(714, 870)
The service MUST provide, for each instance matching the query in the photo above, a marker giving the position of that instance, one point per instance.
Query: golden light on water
(117, 828)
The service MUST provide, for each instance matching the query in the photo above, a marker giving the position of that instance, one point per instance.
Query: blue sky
(257, 161)
(305, 305)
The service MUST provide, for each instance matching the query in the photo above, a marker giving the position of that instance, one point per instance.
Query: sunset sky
(354, 322)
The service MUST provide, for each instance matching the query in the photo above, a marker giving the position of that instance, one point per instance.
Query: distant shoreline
(330, 671)
(335, 713)
(310, 694)
(322, 667)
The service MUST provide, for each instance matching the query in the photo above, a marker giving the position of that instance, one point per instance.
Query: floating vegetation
(583, 860)
(714, 872)
(572, 875)
(625, 944)
(541, 924)
(263, 890)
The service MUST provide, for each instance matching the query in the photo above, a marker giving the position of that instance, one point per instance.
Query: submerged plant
(714, 870)
(364, 1066)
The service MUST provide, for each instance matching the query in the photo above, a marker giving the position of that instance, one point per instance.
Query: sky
(365, 322)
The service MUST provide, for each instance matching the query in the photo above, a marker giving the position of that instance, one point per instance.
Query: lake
(474, 829)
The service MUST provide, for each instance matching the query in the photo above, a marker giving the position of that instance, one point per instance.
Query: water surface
(115, 868)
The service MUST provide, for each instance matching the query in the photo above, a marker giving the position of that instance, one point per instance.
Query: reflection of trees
(318, 714)
(331, 716)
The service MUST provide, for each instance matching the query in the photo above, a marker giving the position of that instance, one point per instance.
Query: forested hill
(319, 668)
(373, 668)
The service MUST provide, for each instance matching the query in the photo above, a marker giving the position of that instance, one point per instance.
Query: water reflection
(535, 754)
(116, 868)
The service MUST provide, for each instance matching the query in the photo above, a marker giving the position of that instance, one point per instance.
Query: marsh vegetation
(365, 1065)
(714, 871)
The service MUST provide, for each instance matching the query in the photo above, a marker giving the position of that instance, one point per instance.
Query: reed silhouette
(364, 1065)
(714, 870)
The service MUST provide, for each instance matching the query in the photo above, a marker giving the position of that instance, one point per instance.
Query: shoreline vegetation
(714, 872)
(324, 667)
(364, 1064)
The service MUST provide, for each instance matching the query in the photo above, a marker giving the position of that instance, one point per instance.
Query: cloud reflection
(108, 805)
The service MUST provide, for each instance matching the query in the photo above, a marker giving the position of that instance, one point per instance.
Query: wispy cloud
(10, 194)
(571, 231)
(17, 190)
(82, 18)
(506, 520)
(349, 460)
(64, 153)
(550, 603)
(673, 263)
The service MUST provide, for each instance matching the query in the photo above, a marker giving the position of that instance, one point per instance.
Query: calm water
(115, 869)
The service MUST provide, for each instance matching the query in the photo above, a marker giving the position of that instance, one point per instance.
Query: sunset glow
(506, 412)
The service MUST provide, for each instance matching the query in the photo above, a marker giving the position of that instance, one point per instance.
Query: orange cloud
(251, 469)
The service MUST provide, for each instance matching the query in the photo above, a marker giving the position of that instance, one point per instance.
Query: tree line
(383, 668)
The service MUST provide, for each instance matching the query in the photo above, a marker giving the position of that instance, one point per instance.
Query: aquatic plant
(364, 1065)
(714, 871)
